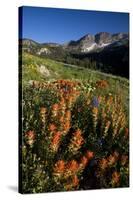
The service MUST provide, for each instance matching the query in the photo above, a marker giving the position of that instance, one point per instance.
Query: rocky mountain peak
(96, 42)
(102, 37)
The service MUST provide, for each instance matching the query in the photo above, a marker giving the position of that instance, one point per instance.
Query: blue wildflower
(95, 102)
(100, 142)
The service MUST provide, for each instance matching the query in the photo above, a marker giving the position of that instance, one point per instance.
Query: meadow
(75, 133)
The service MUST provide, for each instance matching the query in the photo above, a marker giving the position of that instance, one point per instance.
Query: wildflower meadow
(75, 136)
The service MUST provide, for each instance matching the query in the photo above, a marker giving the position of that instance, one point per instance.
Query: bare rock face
(95, 42)
(88, 39)
(102, 37)
(43, 70)
(87, 42)
(119, 36)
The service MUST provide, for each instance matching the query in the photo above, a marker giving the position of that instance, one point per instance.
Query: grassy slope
(118, 85)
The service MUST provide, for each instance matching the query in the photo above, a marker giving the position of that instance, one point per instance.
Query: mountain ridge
(100, 40)
(87, 43)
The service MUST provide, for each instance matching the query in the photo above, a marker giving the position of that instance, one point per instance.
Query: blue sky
(63, 25)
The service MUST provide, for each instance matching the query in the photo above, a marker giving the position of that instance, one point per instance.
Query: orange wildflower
(61, 119)
(95, 110)
(56, 138)
(75, 181)
(115, 177)
(55, 106)
(77, 133)
(78, 139)
(30, 135)
(84, 161)
(124, 159)
(62, 101)
(52, 127)
(103, 163)
(59, 166)
(68, 115)
(89, 154)
(102, 84)
(66, 126)
(111, 160)
(72, 166)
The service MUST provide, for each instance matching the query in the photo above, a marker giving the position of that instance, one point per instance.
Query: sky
(62, 25)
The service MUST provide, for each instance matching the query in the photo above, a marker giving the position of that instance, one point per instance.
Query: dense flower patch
(73, 138)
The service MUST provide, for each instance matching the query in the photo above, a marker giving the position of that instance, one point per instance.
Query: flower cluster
(76, 142)
(102, 84)
(30, 137)
(109, 161)
(115, 178)
(68, 171)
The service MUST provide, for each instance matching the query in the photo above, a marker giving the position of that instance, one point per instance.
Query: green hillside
(44, 69)
(59, 70)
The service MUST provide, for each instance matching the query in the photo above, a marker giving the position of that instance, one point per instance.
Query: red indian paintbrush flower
(55, 107)
(61, 119)
(103, 163)
(89, 154)
(124, 159)
(75, 181)
(83, 161)
(66, 126)
(59, 166)
(115, 177)
(76, 141)
(111, 160)
(72, 166)
(68, 115)
(30, 134)
(30, 137)
(56, 138)
(52, 127)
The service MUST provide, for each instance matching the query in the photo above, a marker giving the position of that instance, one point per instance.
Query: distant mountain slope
(113, 59)
(103, 51)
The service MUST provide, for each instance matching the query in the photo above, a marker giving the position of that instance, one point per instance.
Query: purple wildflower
(95, 102)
